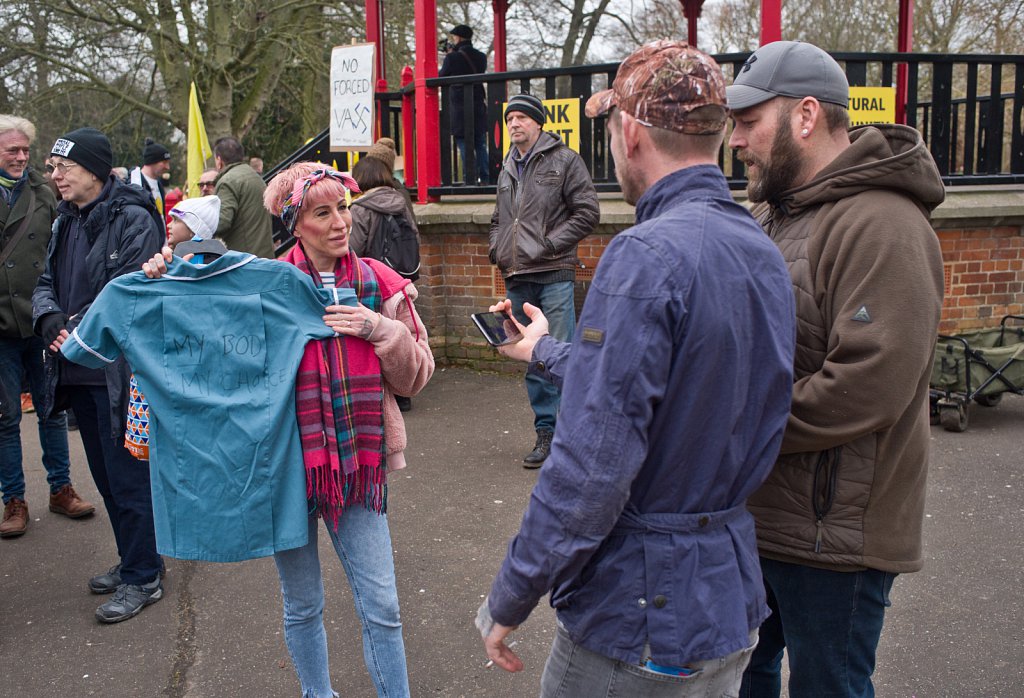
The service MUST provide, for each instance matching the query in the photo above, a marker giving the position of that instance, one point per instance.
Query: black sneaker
(536, 457)
(129, 600)
(106, 583)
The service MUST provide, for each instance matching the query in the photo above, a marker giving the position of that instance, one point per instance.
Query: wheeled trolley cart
(976, 367)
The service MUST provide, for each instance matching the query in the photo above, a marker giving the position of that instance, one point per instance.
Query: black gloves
(50, 326)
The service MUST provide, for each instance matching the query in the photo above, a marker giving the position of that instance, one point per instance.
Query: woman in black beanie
(104, 228)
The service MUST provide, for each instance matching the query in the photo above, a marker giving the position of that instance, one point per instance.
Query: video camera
(444, 46)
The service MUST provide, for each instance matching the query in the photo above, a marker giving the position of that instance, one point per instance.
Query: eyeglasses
(207, 185)
(60, 168)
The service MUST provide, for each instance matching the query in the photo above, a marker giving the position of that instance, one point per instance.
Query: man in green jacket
(245, 226)
(27, 210)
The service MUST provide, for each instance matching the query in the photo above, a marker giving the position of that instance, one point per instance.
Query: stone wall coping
(991, 206)
(964, 207)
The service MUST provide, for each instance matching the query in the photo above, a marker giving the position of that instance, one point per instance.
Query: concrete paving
(955, 629)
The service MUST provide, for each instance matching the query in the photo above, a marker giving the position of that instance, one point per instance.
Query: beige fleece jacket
(400, 342)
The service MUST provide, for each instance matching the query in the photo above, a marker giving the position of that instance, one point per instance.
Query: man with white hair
(27, 210)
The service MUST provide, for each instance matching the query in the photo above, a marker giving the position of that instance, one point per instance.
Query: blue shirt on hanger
(215, 349)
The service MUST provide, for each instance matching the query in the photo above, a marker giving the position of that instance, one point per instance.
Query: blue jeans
(557, 302)
(829, 622)
(18, 356)
(480, 148)
(363, 544)
(122, 481)
(573, 671)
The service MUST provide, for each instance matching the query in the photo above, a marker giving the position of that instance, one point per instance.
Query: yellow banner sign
(563, 120)
(872, 105)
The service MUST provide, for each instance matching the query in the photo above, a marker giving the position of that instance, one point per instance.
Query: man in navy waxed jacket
(676, 391)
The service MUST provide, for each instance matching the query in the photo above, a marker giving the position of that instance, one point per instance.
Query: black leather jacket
(539, 219)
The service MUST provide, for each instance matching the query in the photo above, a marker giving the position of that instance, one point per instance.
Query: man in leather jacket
(546, 203)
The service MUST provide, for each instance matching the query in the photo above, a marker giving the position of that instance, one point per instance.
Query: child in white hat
(193, 218)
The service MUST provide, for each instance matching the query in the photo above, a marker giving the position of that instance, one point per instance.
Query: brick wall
(458, 280)
(981, 233)
(984, 274)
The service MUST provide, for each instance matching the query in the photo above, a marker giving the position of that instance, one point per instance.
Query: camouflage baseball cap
(661, 83)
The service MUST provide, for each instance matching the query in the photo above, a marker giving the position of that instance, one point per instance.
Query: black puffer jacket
(123, 231)
(539, 219)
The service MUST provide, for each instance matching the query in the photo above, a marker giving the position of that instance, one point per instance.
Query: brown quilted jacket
(848, 489)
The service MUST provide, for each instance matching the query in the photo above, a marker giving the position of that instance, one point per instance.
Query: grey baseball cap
(788, 69)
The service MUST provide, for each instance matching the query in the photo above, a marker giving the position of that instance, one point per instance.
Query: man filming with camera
(462, 59)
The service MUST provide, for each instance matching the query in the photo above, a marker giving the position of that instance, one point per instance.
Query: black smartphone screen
(497, 328)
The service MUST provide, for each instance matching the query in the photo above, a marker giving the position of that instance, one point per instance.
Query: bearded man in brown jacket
(840, 516)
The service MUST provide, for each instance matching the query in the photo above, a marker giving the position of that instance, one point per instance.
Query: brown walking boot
(67, 502)
(15, 519)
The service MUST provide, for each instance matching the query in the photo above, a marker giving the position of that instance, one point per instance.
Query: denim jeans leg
(302, 595)
(542, 394)
(572, 671)
(557, 302)
(763, 676)
(831, 622)
(363, 544)
(53, 431)
(12, 477)
(482, 166)
(460, 144)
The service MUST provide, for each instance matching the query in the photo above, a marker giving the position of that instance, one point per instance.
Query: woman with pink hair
(352, 430)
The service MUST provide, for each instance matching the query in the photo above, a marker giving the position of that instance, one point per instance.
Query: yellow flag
(199, 150)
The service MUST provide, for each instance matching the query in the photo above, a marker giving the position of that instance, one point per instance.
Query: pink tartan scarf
(339, 404)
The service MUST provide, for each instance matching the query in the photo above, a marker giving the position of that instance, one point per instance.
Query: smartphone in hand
(497, 328)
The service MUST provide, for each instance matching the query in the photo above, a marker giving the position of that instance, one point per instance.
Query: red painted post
(691, 10)
(381, 109)
(408, 150)
(375, 34)
(771, 21)
(428, 127)
(904, 44)
(500, 8)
